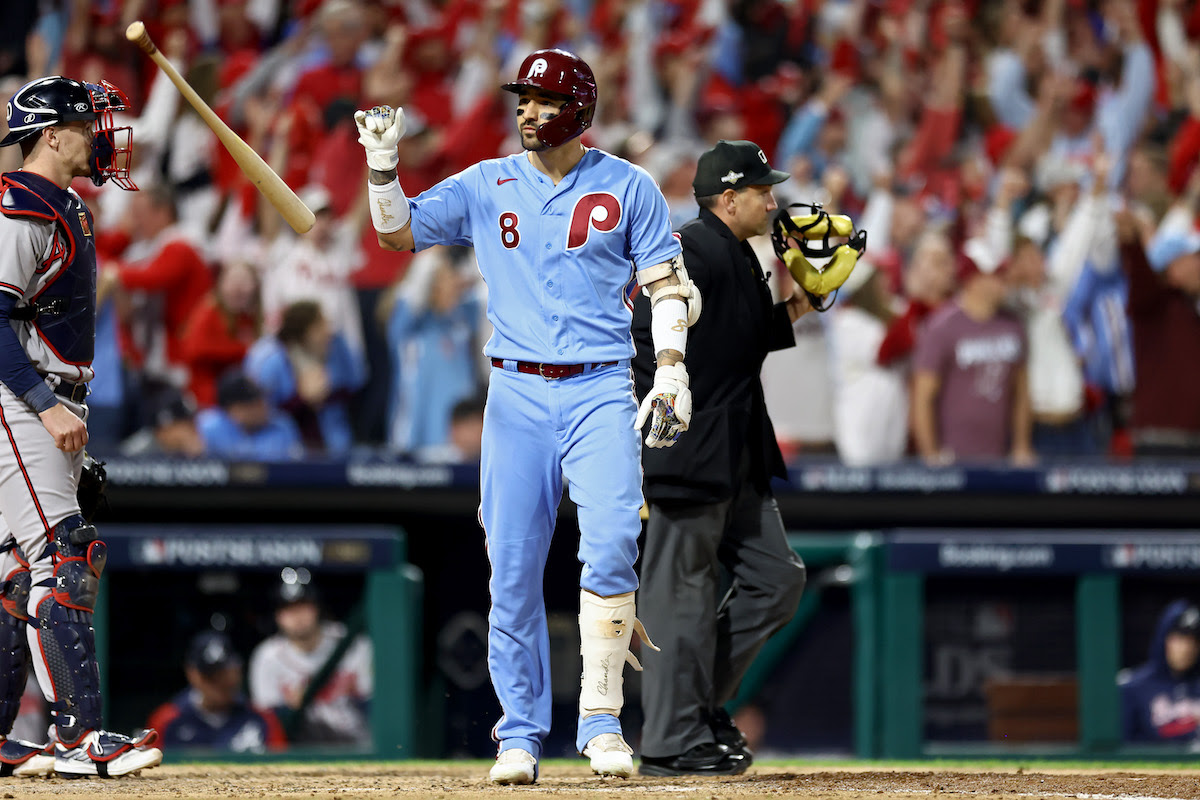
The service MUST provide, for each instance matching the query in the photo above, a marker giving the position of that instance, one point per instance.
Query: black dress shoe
(710, 758)
(725, 732)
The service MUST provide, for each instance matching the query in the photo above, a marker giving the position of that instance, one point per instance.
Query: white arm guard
(389, 206)
(668, 325)
(685, 290)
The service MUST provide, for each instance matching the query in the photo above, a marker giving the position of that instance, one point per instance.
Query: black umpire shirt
(738, 326)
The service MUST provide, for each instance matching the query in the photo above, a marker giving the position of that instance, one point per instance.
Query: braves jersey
(50, 230)
(338, 713)
(183, 722)
(559, 261)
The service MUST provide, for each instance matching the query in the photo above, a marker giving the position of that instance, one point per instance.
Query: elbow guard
(685, 290)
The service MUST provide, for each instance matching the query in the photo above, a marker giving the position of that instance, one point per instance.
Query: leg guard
(14, 646)
(78, 564)
(65, 638)
(606, 626)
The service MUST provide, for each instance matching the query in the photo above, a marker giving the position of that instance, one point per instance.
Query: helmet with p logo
(565, 74)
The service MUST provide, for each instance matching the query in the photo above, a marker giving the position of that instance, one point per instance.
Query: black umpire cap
(734, 165)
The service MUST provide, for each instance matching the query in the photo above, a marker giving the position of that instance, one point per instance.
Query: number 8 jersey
(559, 261)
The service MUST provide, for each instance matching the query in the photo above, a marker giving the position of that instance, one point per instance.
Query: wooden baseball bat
(280, 195)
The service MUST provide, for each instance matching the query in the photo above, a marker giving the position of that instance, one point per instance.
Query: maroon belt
(552, 372)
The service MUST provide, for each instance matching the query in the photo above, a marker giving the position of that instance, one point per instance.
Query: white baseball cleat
(23, 759)
(107, 755)
(610, 755)
(514, 766)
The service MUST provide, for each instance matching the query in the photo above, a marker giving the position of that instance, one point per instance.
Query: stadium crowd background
(1044, 151)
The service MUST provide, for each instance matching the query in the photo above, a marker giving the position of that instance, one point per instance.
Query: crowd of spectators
(1026, 172)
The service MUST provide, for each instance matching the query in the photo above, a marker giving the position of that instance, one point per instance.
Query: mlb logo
(83, 223)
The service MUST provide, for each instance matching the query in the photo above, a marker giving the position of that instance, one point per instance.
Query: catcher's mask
(57, 100)
(799, 239)
(565, 74)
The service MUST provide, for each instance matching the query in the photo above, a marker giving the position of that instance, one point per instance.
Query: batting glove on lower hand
(379, 131)
(670, 400)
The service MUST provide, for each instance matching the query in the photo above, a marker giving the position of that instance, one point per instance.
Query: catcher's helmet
(566, 74)
(57, 100)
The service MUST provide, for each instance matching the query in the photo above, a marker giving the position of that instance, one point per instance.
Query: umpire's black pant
(707, 642)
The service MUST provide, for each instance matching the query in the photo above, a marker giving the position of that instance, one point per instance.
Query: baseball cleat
(610, 755)
(107, 755)
(514, 766)
(23, 759)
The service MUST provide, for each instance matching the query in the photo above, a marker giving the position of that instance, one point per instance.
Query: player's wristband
(40, 397)
(668, 325)
(389, 206)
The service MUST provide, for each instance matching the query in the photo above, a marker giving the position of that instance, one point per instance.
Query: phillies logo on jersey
(537, 68)
(599, 210)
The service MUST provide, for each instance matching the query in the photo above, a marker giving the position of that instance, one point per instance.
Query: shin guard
(606, 627)
(66, 640)
(14, 645)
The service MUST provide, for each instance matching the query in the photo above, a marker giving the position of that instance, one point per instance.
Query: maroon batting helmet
(566, 74)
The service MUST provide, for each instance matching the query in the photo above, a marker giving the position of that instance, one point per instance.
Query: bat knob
(136, 33)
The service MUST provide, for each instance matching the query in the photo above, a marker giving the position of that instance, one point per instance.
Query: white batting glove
(671, 401)
(379, 131)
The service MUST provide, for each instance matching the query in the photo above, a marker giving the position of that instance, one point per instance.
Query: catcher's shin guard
(14, 645)
(606, 626)
(66, 640)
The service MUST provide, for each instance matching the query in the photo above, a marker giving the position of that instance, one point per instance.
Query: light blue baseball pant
(536, 433)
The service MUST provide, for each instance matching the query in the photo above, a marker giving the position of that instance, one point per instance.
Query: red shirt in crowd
(213, 342)
(180, 275)
(1166, 349)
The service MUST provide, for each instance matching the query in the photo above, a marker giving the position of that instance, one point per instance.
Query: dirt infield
(568, 780)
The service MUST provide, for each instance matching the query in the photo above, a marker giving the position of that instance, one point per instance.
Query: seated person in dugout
(1160, 699)
(213, 713)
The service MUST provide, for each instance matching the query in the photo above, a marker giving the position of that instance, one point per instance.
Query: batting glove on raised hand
(379, 131)
(671, 401)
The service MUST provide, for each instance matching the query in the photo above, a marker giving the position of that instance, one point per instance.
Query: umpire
(711, 505)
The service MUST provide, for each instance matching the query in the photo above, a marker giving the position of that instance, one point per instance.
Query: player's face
(1182, 650)
(218, 689)
(75, 145)
(535, 107)
(298, 620)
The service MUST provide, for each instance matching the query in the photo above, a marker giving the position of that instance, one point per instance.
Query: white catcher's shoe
(610, 755)
(107, 755)
(514, 766)
(25, 759)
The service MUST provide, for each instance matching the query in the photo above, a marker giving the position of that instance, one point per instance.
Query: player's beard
(530, 141)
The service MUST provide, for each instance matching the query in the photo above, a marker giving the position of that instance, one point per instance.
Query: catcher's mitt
(93, 481)
(797, 239)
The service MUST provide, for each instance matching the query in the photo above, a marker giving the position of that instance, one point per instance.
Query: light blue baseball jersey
(559, 261)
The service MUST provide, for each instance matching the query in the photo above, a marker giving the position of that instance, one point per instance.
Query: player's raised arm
(674, 307)
(379, 131)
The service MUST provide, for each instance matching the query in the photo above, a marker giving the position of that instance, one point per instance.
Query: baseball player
(52, 561)
(562, 233)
